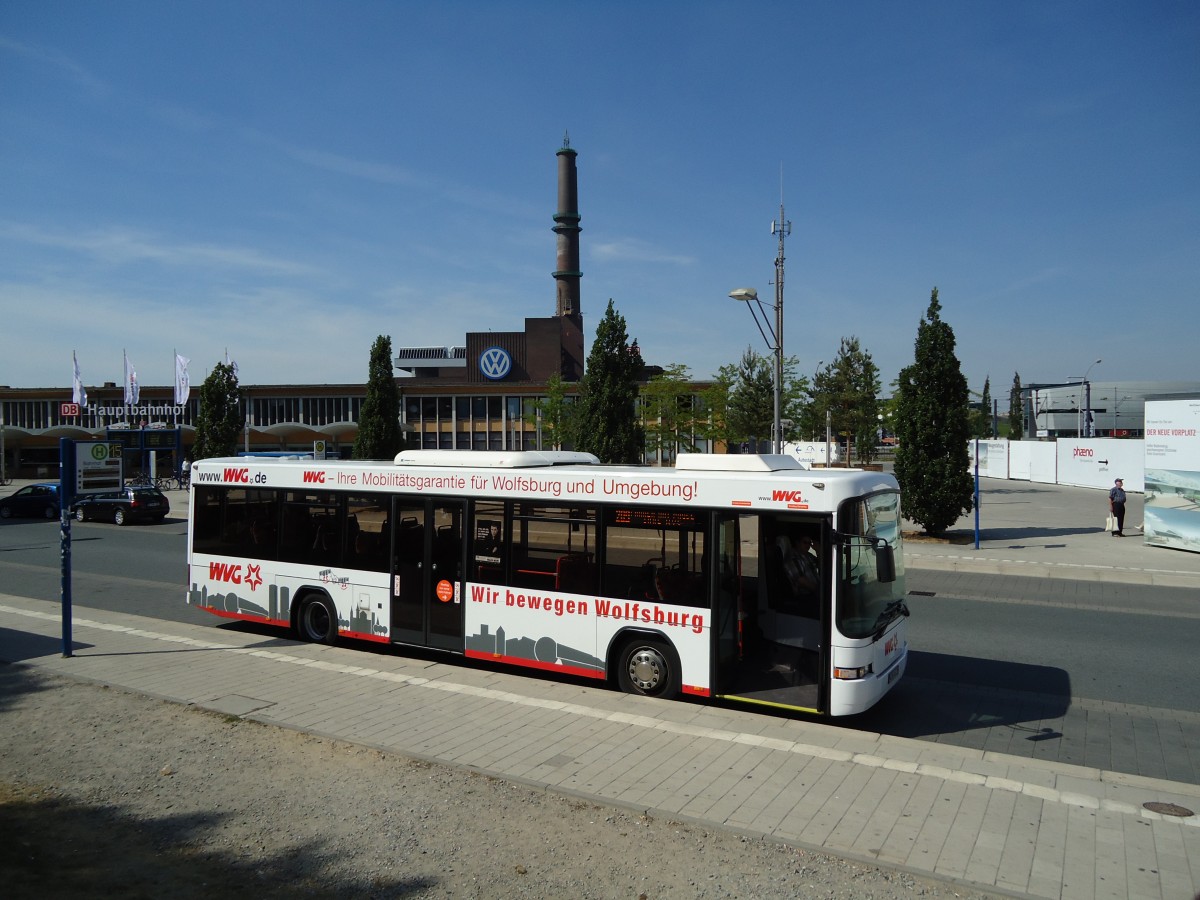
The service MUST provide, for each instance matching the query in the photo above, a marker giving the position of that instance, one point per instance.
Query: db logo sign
(68, 410)
(495, 363)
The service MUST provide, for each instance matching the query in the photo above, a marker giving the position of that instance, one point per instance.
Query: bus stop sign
(99, 466)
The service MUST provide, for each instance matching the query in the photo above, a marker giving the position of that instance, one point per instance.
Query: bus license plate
(894, 674)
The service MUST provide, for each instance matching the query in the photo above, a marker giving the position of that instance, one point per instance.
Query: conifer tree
(751, 409)
(220, 419)
(606, 419)
(848, 388)
(932, 460)
(985, 404)
(1016, 413)
(379, 434)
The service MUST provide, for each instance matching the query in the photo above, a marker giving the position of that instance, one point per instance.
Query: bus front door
(427, 567)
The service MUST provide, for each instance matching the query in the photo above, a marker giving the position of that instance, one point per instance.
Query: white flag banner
(132, 391)
(78, 393)
(231, 363)
(183, 387)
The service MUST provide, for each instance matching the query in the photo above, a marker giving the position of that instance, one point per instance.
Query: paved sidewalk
(1001, 822)
(1052, 531)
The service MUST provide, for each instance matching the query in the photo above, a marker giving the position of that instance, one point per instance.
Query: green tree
(932, 460)
(797, 402)
(606, 423)
(1016, 412)
(220, 419)
(751, 409)
(848, 388)
(985, 403)
(739, 402)
(712, 414)
(554, 413)
(668, 409)
(979, 416)
(379, 434)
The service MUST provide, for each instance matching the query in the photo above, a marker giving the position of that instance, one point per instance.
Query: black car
(129, 504)
(34, 501)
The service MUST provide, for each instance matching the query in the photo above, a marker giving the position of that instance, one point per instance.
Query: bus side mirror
(885, 563)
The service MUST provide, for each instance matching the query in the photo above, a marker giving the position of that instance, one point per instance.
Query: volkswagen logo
(495, 363)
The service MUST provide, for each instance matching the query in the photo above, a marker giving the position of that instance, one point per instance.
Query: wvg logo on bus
(495, 363)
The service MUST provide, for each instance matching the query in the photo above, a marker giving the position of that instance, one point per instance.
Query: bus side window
(575, 573)
(656, 555)
(488, 551)
(542, 535)
(296, 536)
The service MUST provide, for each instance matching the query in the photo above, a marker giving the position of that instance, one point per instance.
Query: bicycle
(173, 482)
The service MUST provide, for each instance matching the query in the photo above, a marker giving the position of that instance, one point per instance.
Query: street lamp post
(773, 336)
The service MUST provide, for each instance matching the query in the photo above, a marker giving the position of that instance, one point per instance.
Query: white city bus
(744, 578)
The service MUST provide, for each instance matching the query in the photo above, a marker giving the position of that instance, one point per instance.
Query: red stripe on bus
(584, 671)
(245, 617)
(359, 636)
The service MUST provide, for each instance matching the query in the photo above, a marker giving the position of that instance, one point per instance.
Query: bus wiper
(890, 612)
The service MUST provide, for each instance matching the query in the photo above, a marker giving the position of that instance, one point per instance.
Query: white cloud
(59, 62)
(635, 250)
(122, 246)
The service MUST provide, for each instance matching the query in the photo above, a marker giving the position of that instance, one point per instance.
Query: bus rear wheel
(649, 668)
(317, 621)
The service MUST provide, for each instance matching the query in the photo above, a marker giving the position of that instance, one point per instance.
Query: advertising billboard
(1172, 506)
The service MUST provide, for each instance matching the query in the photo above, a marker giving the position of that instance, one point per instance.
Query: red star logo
(253, 576)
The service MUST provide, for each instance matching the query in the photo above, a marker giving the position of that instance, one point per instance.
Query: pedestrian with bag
(1116, 507)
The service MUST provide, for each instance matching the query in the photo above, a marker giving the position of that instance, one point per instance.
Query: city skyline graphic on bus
(545, 649)
(278, 608)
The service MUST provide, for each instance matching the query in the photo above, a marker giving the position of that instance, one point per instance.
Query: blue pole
(66, 495)
(976, 493)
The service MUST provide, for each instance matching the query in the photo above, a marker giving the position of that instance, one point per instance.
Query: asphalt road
(1014, 666)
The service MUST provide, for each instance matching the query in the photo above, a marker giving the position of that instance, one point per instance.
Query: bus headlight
(851, 674)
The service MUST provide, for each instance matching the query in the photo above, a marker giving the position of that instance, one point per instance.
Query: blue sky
(287, 180)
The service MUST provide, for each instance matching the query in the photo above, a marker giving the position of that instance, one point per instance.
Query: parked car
(32, 501)
(128, 504)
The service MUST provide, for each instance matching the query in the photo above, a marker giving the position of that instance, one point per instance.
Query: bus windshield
(869, 604)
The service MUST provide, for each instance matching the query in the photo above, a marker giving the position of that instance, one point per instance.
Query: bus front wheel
(650, 668)
(317, 622)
